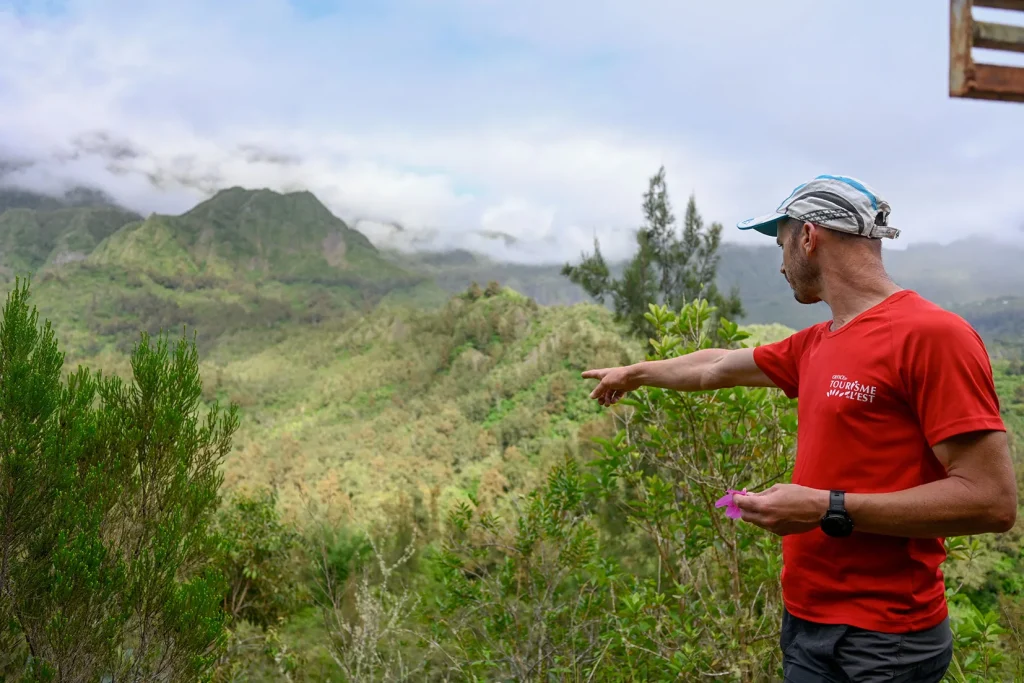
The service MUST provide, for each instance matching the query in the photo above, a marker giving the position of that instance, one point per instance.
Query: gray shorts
(845, 654)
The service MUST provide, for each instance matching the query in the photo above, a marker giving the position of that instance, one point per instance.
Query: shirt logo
(843, 387)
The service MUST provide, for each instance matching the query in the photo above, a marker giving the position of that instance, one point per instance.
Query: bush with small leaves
(107, 494)
(261, 559)
(987, 644)
(529, 601)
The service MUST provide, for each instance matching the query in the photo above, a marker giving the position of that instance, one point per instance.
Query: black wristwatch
(836, 521)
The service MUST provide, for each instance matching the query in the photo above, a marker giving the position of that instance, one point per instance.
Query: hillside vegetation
(420, 487)
(360, 382)
(32, 240)
(417, 408)
(252, 235)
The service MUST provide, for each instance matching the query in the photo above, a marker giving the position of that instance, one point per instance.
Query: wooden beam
(995, 82)
(960, 40)
(998, 36)
(1001, 4)
(983, 81)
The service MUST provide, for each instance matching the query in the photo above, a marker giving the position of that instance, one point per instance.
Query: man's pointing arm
(701, 370)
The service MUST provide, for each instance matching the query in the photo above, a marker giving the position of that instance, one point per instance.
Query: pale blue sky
(540, 118)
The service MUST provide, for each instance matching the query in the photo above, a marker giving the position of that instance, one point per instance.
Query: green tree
(261, 559)
(51, 547)
(668, 268)
(107, 491)
(706, 596)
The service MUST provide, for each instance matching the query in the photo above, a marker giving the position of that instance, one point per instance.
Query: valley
(367, 378)
(381, 392)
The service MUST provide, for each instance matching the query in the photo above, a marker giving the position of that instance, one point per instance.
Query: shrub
(107, 493)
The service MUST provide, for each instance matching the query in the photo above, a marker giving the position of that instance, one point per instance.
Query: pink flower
(731, 510)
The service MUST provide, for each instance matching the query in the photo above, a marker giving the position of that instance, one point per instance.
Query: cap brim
(767, 224)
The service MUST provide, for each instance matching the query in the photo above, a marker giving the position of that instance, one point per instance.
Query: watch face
(837, 525)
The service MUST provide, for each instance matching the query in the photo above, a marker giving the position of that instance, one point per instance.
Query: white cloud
(538, 119)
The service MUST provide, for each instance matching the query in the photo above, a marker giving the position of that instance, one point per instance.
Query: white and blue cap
(832, 201)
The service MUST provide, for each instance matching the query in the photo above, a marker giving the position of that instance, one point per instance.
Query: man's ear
(808, 237)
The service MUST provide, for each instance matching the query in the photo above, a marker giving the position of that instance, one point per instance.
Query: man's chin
(805, 299)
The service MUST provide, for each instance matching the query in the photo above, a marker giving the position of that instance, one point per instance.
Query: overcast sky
(542, 119)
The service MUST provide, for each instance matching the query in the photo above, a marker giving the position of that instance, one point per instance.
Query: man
(900, 444)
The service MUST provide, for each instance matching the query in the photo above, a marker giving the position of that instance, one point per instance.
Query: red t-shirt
(875, 396)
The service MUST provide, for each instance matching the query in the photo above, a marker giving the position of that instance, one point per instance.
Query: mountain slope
(1001, 321)
(242, 259)
(250, 234)
(31, 239)
(12, 197)
(413, 405)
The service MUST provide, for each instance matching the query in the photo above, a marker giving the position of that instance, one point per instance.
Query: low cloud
(100, 144)
(11, 167)
(255, 154)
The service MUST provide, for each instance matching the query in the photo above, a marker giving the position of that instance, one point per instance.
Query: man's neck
(848, 296)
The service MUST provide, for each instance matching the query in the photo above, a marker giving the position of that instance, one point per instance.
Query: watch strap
(837, 501)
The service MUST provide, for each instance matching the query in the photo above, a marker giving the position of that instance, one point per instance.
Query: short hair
(841, 235)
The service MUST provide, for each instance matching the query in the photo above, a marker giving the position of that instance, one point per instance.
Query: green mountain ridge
(256, 254)
(14, 197)
(35, 239)
(249, 234)
(241, 259)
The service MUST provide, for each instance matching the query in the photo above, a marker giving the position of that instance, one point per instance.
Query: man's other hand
(784, 508)
(613, 385)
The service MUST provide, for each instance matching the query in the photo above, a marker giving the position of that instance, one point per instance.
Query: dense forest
(242, 444)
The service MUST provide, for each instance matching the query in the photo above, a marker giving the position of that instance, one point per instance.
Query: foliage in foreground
(107, 491)
(621, 568)
(617, 567)
(632, 571)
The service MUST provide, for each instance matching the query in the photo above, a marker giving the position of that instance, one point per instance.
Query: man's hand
(784, 508)
(615, 383)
